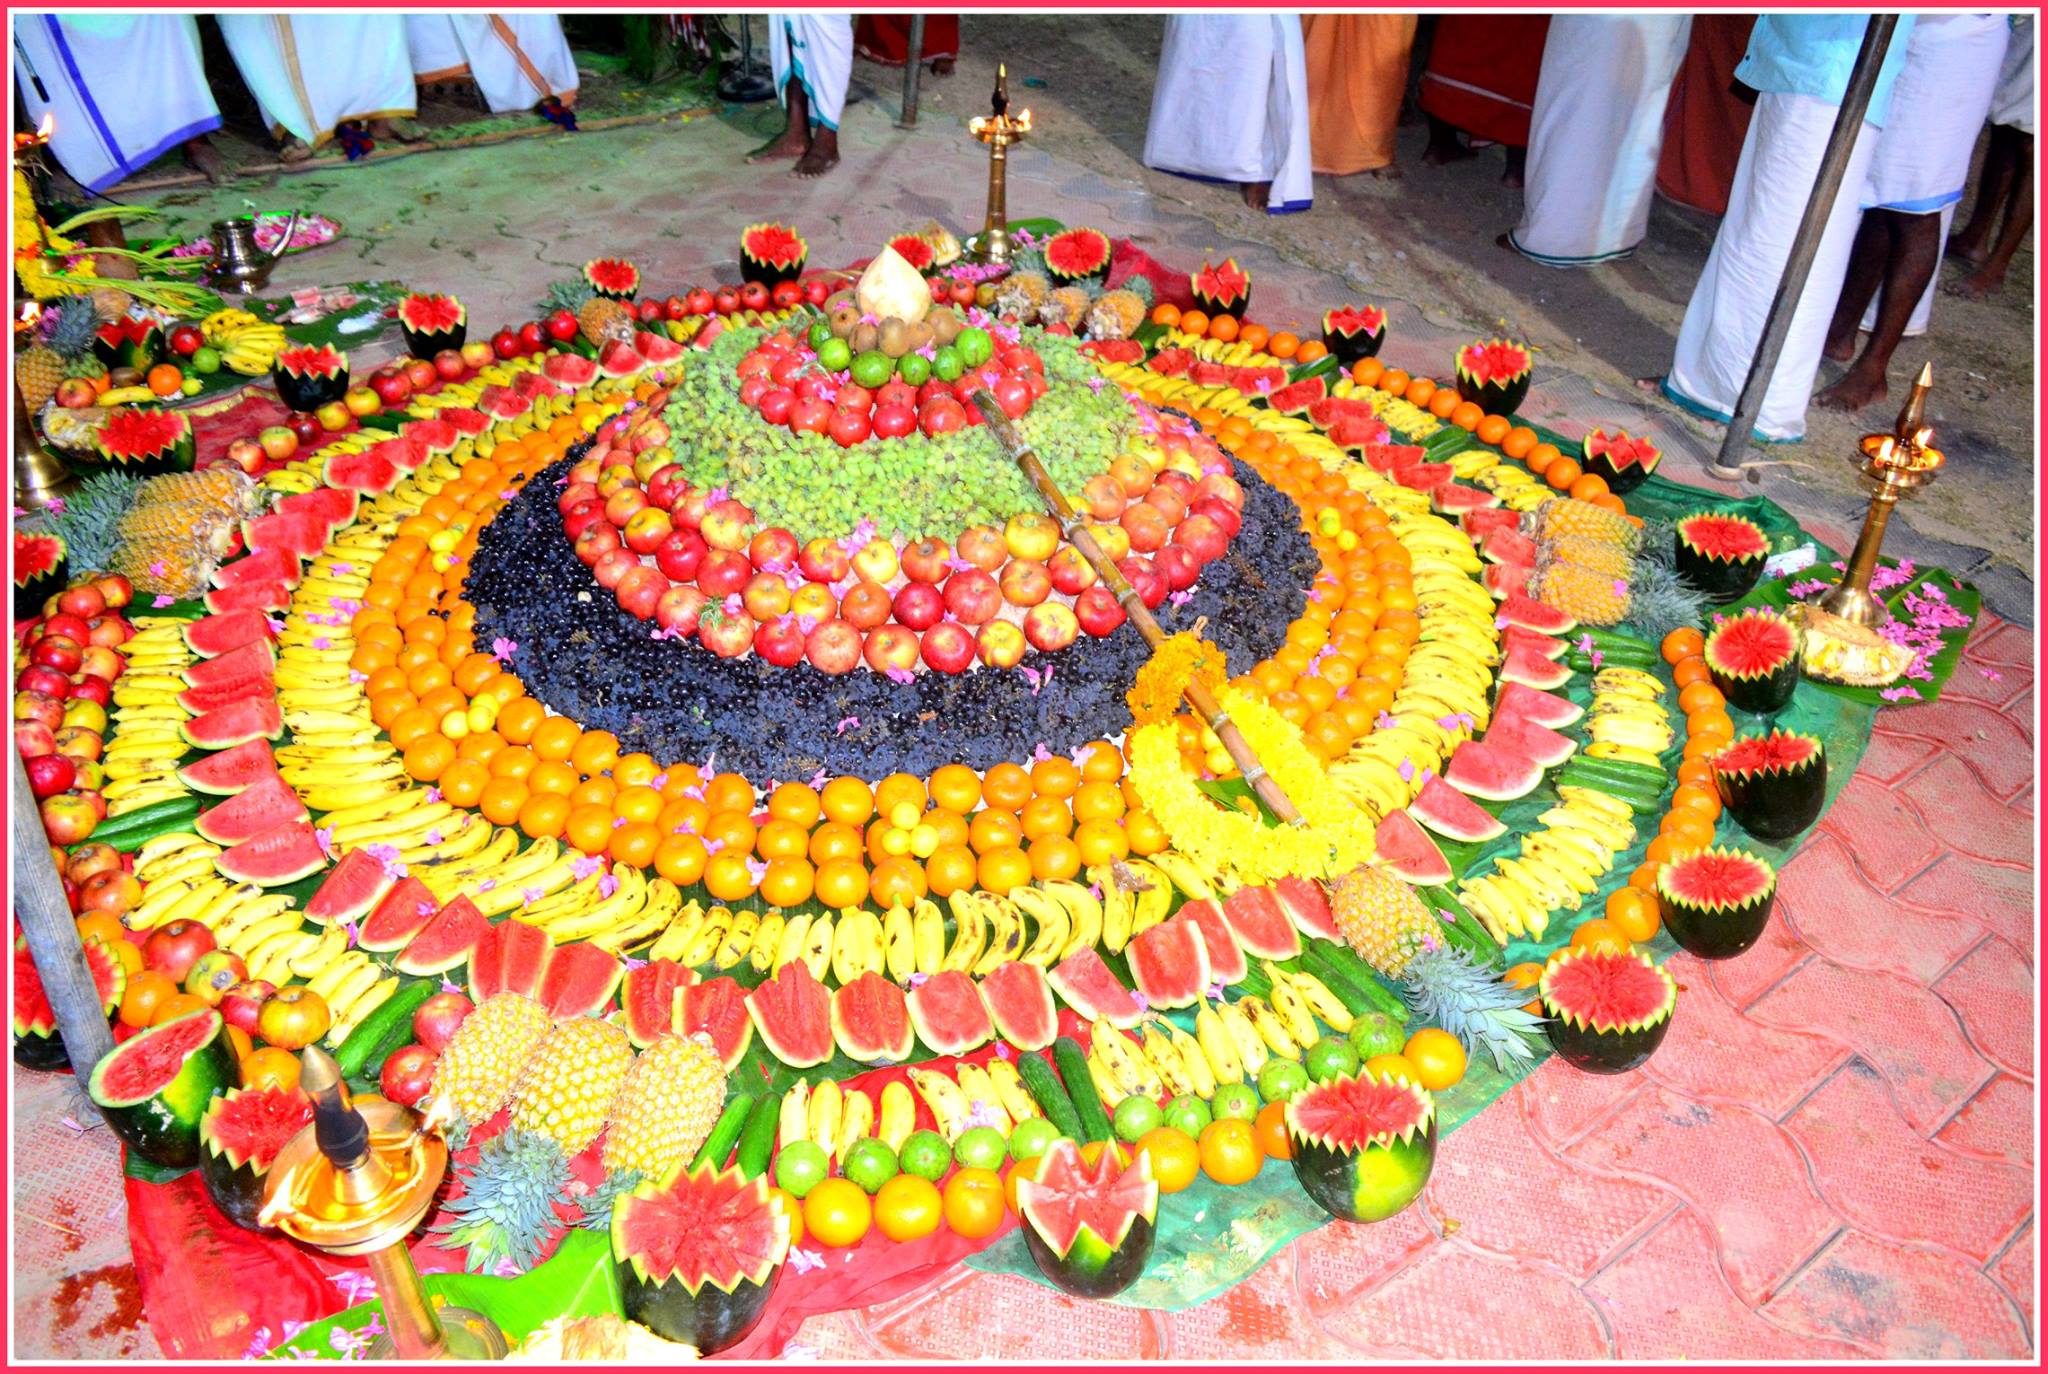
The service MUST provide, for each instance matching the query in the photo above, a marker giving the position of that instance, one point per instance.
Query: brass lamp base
(1855, 604)
(465, 1335)
(990, 245)
(39, 475)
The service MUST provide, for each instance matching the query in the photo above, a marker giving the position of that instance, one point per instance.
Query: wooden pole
(52, 933)
(1205, 705)
(912, 60)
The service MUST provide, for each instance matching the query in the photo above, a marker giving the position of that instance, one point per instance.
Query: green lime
(207, 360)
(835, 355)
(190, 386)
(982, 1147)
(1235, 1102)
(926, 1154)
(1375, 1033)
(1134, 1116)
(800, 1166)
(1032, 1137)
(1187, 1114)
(974, 345)
(870, 1163)
(873, 368)
(949, 364)
(1331, 1057)
(914, 368)
(1281, 1079)
(820, 332)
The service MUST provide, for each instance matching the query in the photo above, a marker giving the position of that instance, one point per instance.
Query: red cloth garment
(1481, 74)
(1705, 121)
(885, 38)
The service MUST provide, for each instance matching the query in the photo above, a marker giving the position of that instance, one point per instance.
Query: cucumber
(1044, 1087)
(1343, 989)
(1636, 801)
(1344, 963)
(1581, 662)
(1636, 775)
(1618, 640)
(1080, 1087)
(395, 1013)
(1616, 783)
(1462, 928)
(717, 1148)
(129, 832)
(757, 1140)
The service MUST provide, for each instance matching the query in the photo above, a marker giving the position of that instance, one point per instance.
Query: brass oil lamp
(356, 1182)
(998, 129)
(1899, 464)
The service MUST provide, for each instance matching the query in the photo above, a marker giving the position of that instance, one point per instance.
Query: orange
(1046, 816)
(1561, 474)
(104, 924)
(1644, 879)
(1394, 1066)
(1438, 1057)
(1702, 747)
(542, 816)
(1223, 328)
(1633, 912)
(733, 830)
(1368, 371)
(1283, 345)
(1541, 457)
(1006, 786)
(1710, 723)
(729, 792)
(796, 803)
(1271, 1128)
(589, 828)
(1694, 797)
(1419, 391)
(1696, 770)
(788, 882)
(837, 1213)
(597, 751)
(597, 791)
(847, 801)
(1444, 401)
(779, 839)
(1687, 671)
(908, 1208)
(270, 1067)
(463, 782)
(1528, 976)
(1394, 380)
(681, 859)
(841, 882)
(1491, 429)
(554, 737)
(146, 992)
(1176, 1159)
(1017, 1172)
(956, 788)
(1167, 314)
(1465, 415)
(1590, 487)
(1091, 1153)
(972, 1199)
(834, 841)
(1699, 696)
(794, 1210)
(552, 776)
(1310, 350)
(638, 804)
(897, 882)
(1683, 642)
(427, 757)
(726, 877)
(512, 761)
(165, 379)
(1055, 777)
(1518, 442)
(1054, 857)
(1230, 1151)
(1689, 828)
(636, 770)
(1194, 322)
(171, 1008)
(1600, 933)
(634, 843)
(994, 830)
(519, 718)
(999, 870)
(950, 869)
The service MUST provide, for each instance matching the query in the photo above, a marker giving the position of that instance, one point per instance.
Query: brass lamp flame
(1898, 464)
(998, 129)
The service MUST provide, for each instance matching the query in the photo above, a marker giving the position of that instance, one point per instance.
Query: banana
(793, 1122)
(1164, 1058)
(1123, 1060)
(856, 1119)
(824, 1113)
(407, 826)
(663, 900)
(928, 932)
(271, 961)
(168, 901)
(1293, 1011)
(1116, 908)
(155, 850)
(856, 945)
(1184, 874)
(948, 1104)
(1325, 1004)
(1006, 934)
(344, 1026)
(1251, 1046)
(1602, 749)
(354, 988)
(970, 931)
(817, 951)
(738, 940)
(473, 847)
(185, 866)
(899, 939)
(1010, 1091)
(340, 796)
(1106, 1085)
(1084, 917)
(707, 939)
(1152, 899)
(1194, 1063)
(323, 950)
(1218, 1046)
(982, 1097)
(767, 941)
(1049, 918)
(898, 1115)
(588, 918)
(671, 943)
(789, 947)
(344, 966)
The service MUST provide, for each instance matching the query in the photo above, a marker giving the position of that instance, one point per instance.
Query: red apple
(728, 636)
(948, 647)
(822, 560)
(1104, 496)
(891, 646)
(213, 974)
(866, 605)
(766, 595)
(727, 300)
(173, 949)
(582, 516)
(595, 541)
(505, 343)
(82, 599)
(640, 591)
(80, 744)
(1223, 487)
(1097, 611)
(773, 549)
(49, 774)
(1201, 537)
(186, 339)
(118, 590)
(1177, 566)
(780, 642)
(407, 1075)
(110, 631)
(1133, 474)
(813, 599)
(532, 338)
(562, 325)
(391, 384)
(667, 486)
(927, 560)
(680, 554)
(876, 561)
(39, 677)
(304, 428)
(1145, 579)
(625, 503)
(834, 647)
(58, 651)
(435, 1021)
(477, 354)
(679, 609)
(728, 524)
(97, 690)
(611, 569)
(1000, 644)
(698, 302)
(1070, 571)
(1225, 517)
(918, 605)
(333, 417)
(1147, 527)
(647, 528)
(76, 393)
(1051, 627)
(1025, 582)
(242, 1004)
(33, 739)
(723, 572)
(248, 455)
(973, 597)
(46, 711)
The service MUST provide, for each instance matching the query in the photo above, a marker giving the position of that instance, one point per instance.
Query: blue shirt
(1814, 54)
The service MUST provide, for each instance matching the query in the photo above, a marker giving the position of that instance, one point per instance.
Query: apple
(918, 605)
(973, 597)
(927, 560)
(532, 338)
(1052, 626)
(49, 774)
(1202, 537)
(640, 591)
(83, 710)
(582, 516)
(667, 486)
(623, 504)
(435, 1021)
(97, 690)
(361, 400)
(95, 804)
(83, 600)
(1000, 644)
(293, 1018)
(305, 428)
(407, 1075)
(765, 595)
(1070, 572)
(102, 662)
(876, 560)
(813, 599)
(75, 393)
(866, 605)
(212, 974)
(241, 1005)
(1167, 502)
(1111, 540)
(424, 375)
(391, 384)
(594, 541)
(774, 549)
(646, 529)
(723, 572)
(33, 739)
(248, 455)
(822, 560)
(1145, 579)
(113, 890)
(728, 636)
(476, 354)
(1025, 582)
(1177, 566)
(699, 302)
(39, 677)
(1097, 611)
(891, 646)
(334, 417)
(36, 706)
(1031, 534)
(679, 554)
(835, 646)
(728, 524)
(1104, 496)
(505, 343)
(611, 569)
(118, 590)
(948, 647)
(1133, 474)
(1221, 514)
(79, 744)
(780, 642)
(109, 631)
(186, 339)
(174, 948)
(60, 625)
(679, 609)
(1178, 482)
(1147, 527)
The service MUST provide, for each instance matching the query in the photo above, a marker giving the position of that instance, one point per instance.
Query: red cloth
(1704, 121)
(1481, 75)
(885, 38)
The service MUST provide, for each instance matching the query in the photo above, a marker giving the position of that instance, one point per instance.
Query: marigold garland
(1181, 661)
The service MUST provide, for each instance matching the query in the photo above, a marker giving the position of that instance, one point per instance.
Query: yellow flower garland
(1179, 662)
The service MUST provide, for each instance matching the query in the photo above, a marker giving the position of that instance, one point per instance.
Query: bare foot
(1257, 194)
(1390, 172)
(1854, 391)
(942, 66)
(1512, 180)
(1439, 154)
(1650, 384)
(205, 160)
(294, 150)
(791, 143)
(1982, 283)
(822, 157)
(1968, 252)
(402, 130)
(1840, 352)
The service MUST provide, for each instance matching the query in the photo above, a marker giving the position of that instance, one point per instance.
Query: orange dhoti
(1357, 73)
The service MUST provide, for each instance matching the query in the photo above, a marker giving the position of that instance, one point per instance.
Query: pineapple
(1064, 306)
(93, 514)
(180, 526)
(1116, 315)
(568, 1089)
(1030, 285)
(1588, 595)
(1659, 601)
(507, 1208)
(37, 372)
(1383, 919)
(483, 1063)
(1567, 515)
(1596, 555)
(63, 348)
(600, 317)
(671, 1100)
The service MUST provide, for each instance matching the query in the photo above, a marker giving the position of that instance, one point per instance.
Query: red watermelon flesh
(274, 565)
(1226, 956)
(1171, 362)
(248, 661)
(1406, 849)
(400, 451)
(435, 436)
(214, 695)
(1087, 985)
(1421, 476)
(1530, 668)
(214, 635)
(1479, 769)
(1520, 735)
(350, 888)
(301, 533)
(263, 805)
(1507, 546)
(1480, 523)
(1514, 636)
(1020, 1003)
(1505, 581)
(400, 914)
(1524, 702)
(1069, 1196)
(236, 723)
(1170, 964)
(468, 421)
(949, 1014)
(1535, 615)
(447, 940)
(579, 981)
(1452, 814)
(1308, 908)
(1384, 458)
(1359, 431)
(1454, 498)
(793, 1013)
(871, 1021)
(647, 999)
(365, 471)
(249, 596)
(231, 770)
(1259, 919)
(331, 505)
(719, 1008)
(521, 959)
(282, 854)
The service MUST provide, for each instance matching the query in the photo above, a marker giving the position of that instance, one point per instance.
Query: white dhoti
(2013, 104)
(815, 51)
(1923, 161)
(312, 71)
(1231, 104)
(517, 60)
(1595, 135)
(1724, 322)
(123, 89)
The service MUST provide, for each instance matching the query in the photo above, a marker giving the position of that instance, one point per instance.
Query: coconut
(891, 287)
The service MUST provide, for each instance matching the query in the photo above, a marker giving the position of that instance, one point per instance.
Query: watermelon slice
(793, 1013)
(1477, 524)
(1308, 907)
(469, 422)
(719, 1008)
(1531, 614)
(249, 596)
(258, 658)
(647, 999)
(214, 635)
(231, 770)
(332, 505)
(1479, 769)
(1226, 956)
(446, 941)
(299, 533)
(1259, 918)
(1507, 546)
(1407, 851)
(365, 471)
(1520, 735)
(214, 695)
(570, 369)
(262, 805)
(1020, 1004)
(1086, 984)
(1529, 667)
(401, 452)
(510, 957)
(949, 1014)
(871, 1021)
(1452, 814)
(579, 981)
(1507, 580)
(350, 888)
(1542, 708)
(1456, 499)
(280, 855)
(1384, 458)
(1515, 636)
(1421, 476)
(238, 723)
(434, 435)
(402, 913)
(1170, 964)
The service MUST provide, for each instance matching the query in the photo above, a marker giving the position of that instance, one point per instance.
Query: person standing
(1916, 179)
(2006, 185)
(1357, 71)
(1231, 104)
(812, 59)
(516, 60)
(885, 38)
(312, 73)
(121, 90)
(1705, 118)
(1595, 133)
(1481, 81)
(1800, 65)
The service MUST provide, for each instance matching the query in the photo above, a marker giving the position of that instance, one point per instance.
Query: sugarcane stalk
(1205, 706)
